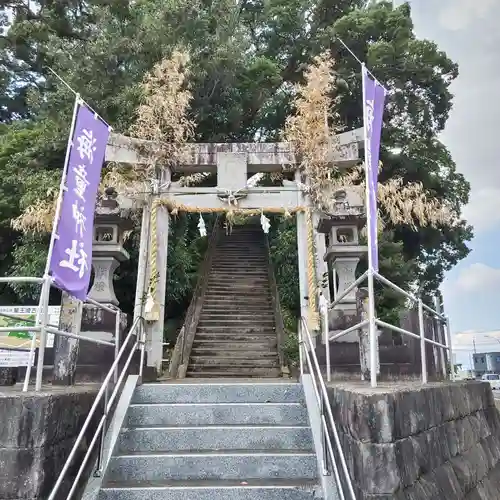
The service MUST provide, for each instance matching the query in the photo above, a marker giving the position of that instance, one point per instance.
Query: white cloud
(483, 210)
(477, 277)
(458, 14)
(481, 339)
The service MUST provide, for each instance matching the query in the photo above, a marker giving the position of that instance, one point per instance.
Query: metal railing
(308, 354)
(42, 327)
(370, 275)
(138, 331)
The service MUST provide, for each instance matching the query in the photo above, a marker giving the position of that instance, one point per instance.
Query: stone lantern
(111, 223)
(343, 254)
(107, 250)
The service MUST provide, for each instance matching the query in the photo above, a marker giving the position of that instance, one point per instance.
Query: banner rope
(311, 275)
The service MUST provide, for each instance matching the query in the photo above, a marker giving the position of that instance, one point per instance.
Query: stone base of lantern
(341, 318)
(95, 360)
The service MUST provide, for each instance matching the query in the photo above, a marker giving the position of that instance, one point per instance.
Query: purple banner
(71, 260)
(373, 111)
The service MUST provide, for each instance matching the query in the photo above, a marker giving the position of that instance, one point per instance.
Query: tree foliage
(246, 57)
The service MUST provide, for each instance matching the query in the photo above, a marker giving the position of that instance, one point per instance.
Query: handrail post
(326, 342)
(324, 450)
(450, 349)
(301, 346)
(372, 328)
(44, 303)
(100, 456)
(142, 342)
(117, 342)
(423, 353)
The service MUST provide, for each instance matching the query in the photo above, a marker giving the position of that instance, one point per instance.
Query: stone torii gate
(233, 164)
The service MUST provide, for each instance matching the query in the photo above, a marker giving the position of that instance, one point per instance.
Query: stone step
(238, 315)
(232, 372)
(273, 489)
(233, 392)
(244, 264)
(232, 308)
(214, 291)
(265, 337)
(237, 275)
(235, 279)
(247, 326)
(231, 348)
(236, 301)
(228, 352)
(197, 362)
(148, 415)
(239, 262)
(187, 438)
(239, 286)
(231, 465)
(236, 245)
(243, 254)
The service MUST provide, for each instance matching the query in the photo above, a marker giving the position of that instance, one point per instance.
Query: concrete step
(229, 373)
(237, 308)
(222, 372)
(250, 295)
(196, 362)
(234, 392)
(236, 326)
(228, 349)
(239, 287)
(244, 258)
(236, 275)
(238, 265)
(239, 314)
(237, 245)
(186, 438)
(239, 333)
(228, 466)
(232, 280)
(216, 414)
(235, 301)
(264, 338)
(273, 489)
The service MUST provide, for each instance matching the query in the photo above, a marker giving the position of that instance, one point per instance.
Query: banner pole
(45, 292)
(372, 327)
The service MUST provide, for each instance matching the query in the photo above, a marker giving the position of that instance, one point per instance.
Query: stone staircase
(214, 441)
(236, 332)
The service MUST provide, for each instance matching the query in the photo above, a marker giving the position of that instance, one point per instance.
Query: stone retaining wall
(441, 442)
(37, 432)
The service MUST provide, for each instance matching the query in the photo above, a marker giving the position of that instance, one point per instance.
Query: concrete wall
(414, 443)
(36, 436)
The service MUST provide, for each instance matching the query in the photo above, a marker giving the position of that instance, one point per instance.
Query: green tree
(246, 57)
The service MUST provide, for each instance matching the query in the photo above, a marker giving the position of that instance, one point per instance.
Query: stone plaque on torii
(233, 163)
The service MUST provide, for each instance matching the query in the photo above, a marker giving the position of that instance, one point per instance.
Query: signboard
(15, 357)
(22, 339)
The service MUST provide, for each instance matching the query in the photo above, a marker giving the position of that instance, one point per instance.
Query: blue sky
(467, 30)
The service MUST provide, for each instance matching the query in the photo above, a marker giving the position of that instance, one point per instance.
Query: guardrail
(42, 327)
(138, 331)
(373, 321)
(308, 354)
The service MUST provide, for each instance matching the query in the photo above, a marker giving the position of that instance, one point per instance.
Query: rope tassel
(201, 226)
(265, 223)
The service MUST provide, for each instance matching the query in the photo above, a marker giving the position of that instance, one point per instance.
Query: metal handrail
(43, 327)
(108, 403)
(371, 274)
(325, 411)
